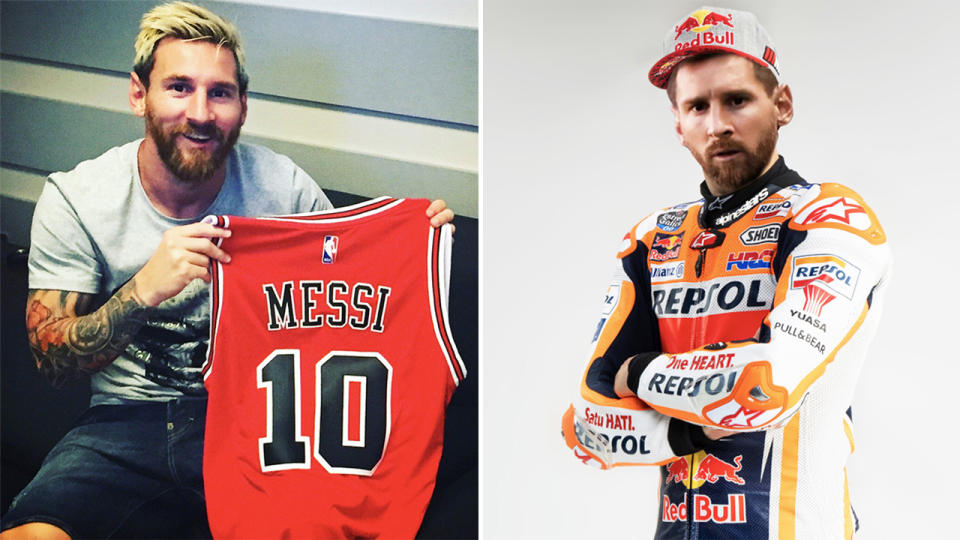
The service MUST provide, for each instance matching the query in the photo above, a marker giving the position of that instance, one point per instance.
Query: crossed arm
(762, 381)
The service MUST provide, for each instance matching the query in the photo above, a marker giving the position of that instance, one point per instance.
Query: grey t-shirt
(94, 228)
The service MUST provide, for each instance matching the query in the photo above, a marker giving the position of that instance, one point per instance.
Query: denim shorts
(125, 471)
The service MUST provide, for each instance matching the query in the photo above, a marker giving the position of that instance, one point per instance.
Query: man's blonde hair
(189, 22)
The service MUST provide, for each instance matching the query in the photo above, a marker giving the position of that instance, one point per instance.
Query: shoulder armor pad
(835, 206)
(629, 243)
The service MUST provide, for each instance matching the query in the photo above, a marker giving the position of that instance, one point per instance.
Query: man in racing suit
(735, 326)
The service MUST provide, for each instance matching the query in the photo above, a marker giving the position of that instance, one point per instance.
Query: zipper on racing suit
(704, 240)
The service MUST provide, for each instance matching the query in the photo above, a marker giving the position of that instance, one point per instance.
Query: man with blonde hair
(117, 265)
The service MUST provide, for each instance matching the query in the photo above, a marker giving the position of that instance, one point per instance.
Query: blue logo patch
(330, 246)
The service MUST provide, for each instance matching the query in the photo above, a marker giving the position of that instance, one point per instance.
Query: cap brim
(660, 72)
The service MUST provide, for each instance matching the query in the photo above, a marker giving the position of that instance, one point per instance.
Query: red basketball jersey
(329, 370)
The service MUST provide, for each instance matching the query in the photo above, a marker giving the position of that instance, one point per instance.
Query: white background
(578, 146)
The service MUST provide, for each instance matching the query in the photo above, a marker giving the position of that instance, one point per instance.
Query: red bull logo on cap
(706, 25)
(703, 20)
(708, 30)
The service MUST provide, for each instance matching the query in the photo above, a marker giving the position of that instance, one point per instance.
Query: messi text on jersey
(333, 303)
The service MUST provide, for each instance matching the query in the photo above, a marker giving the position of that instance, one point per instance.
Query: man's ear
(243, 108)
(677, 126)
(783, 101)
(138, 95)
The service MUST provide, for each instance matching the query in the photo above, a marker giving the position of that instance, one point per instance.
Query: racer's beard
(731, 175)
(192, 166)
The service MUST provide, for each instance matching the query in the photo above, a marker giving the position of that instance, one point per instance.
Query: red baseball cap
(711, 29)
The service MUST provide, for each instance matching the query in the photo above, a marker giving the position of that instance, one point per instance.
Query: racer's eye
(739, 100)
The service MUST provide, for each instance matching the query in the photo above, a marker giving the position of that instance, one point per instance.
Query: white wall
(577, 146)
(328, 104)
(447, 12)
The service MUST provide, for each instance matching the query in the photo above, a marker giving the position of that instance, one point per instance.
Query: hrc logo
(749, 260)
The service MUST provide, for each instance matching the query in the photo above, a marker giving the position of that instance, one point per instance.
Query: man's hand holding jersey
(439, 214)
(183, 255)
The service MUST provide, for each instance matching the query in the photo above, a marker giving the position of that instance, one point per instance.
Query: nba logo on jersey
(330, 244)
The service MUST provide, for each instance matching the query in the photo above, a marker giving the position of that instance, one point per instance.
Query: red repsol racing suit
(752, 313)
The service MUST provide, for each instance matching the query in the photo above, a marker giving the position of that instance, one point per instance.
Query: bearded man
(735, 326)
(118, 264)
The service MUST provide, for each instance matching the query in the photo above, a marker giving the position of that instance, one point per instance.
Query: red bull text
(735, 511)
(707, 38)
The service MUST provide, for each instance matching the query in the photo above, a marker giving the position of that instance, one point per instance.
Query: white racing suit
(752, 313)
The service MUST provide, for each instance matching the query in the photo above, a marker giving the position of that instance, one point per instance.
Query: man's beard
(193, 166)
(731, 175)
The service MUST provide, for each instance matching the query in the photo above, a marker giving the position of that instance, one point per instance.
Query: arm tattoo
(66, 342)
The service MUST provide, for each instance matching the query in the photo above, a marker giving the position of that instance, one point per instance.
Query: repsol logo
(601, 442)
(831, 271)
(626, 444)
(709, 298)
(769, 210)
(677, 385)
